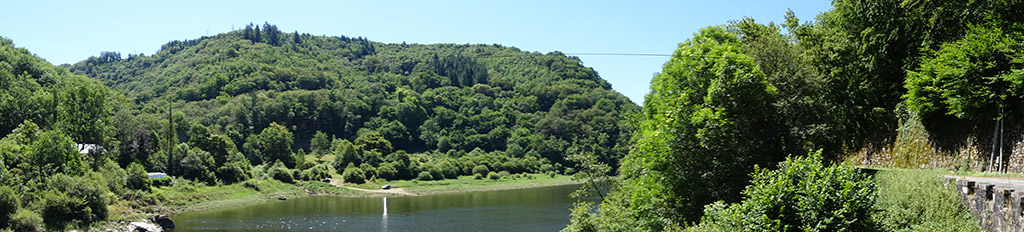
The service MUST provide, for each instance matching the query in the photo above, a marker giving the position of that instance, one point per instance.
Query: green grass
(469, 184)
(920, 200)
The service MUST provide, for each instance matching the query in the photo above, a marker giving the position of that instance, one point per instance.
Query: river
(534, 209)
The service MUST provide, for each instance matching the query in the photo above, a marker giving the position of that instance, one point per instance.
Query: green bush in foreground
(493, 176)
(802, 195)
(917, 200)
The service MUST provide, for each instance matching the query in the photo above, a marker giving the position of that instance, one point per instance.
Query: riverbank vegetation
(909, 84)
(242, 115)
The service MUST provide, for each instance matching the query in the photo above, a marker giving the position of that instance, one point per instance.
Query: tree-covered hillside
(516, 110)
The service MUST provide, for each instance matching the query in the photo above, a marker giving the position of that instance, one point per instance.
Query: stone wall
(996, 206)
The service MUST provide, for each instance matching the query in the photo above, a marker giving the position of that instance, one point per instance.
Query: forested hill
(515, 110)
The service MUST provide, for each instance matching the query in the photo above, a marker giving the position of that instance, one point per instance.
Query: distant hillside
(440, 100)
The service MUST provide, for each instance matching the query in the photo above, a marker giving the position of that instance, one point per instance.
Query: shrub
(26, 220)
(59, 210)
(504, 174)
(318, 172)
(481, 169)
(803, 195)
(73, 198)
(387, 171)
(233, 172)
(436, 172)
(547, 168)
(198, 165)
(493, 176)
(424, 175)
(137, 177)
(352, 174)
(8, 205)
(933, 206)
(166, 181)
(114, 176)
(282, 174)
(477, 176)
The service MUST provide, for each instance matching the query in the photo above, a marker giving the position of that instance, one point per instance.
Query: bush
(481, 169)
(114, 176)
(73, 199)
(933, 206)
(233, 172)
(477, 176)
(424, 175)
(59, 210)
(547, 168)
(26, 220)
(493, 176)
(352, 174)
(166, 181)
(318, 172)
(198, 165)
(387, 171)
(9, 204)
(504, 174)
(436, 172)
(282, 174)
(803, 195)
(138, 179)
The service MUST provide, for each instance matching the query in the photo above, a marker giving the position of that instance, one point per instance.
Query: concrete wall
(997, 206)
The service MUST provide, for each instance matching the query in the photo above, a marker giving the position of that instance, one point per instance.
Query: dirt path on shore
(394, 191)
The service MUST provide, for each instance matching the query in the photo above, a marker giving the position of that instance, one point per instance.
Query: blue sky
(70, 31)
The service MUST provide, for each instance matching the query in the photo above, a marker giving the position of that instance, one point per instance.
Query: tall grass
(920, 200)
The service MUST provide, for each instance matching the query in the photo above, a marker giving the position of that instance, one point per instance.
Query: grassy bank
(469, 184)
(920, 200)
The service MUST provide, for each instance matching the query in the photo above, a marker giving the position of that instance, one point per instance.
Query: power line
(616, 54)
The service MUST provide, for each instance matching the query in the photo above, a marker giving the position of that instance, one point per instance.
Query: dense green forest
(256, 103)
(711, 143)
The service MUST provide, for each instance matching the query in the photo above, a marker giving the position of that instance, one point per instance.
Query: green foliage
(9, 204)
(54, 153)
(424, 175)
(72, 200)
(801, 195)
(477, 176)
(275, 144)
(138, 179)
(707, 122)
(198, 165)
(282, 174)
(932, 206)
(493, 176)
(320, 144)
(971, 77)
(481, 169)
(344, 154)
(26, 220)
(352, 174)
(387, 171)
(318, 172)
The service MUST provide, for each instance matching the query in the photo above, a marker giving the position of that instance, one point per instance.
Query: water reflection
(539, 209)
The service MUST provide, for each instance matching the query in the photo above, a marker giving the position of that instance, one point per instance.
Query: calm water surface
(536, 209)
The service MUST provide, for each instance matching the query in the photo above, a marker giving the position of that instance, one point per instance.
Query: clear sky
(70, 31)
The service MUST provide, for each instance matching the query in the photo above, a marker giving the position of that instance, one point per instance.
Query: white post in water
(384, 219)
